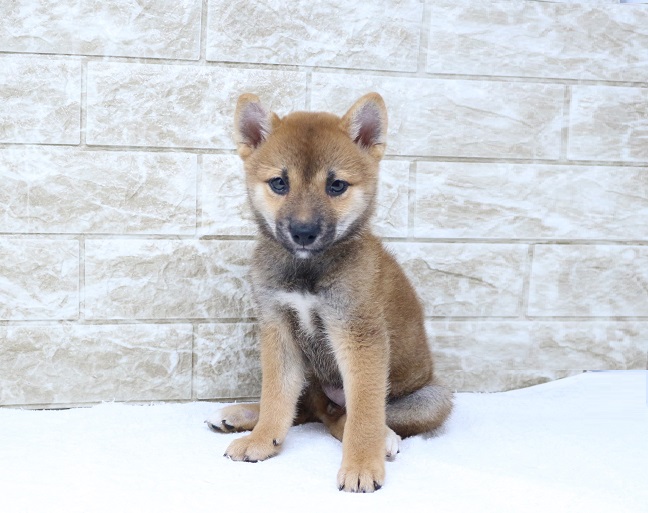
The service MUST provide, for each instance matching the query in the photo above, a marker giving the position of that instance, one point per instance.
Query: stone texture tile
(591, 281)
(489, 380)
(189, 106)
(539, 39)
(457, 200)
(465, 279)
(14, 192)
(224, 205)
(478, 346)
(165, 29)
(39, 279)
(227, 361)
(60, 364)
(609, 123)
(392, 205)
(167, 279)
(455, 118)
(225, 210)
(64, 190)
(40, 100)
(369, 35)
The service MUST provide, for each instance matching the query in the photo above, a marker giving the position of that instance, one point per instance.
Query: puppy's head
(311, 176)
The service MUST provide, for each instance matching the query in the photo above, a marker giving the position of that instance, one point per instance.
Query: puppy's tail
(421, 411)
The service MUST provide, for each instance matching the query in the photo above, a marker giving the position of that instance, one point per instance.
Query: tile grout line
(330, 69)
(198, 191)
(526, 283)
(194, 321)
(566, 122)
(411, 200)
(389, 157)
(397, 240)
(424, 36)
(204, 15)
(82, 284)
(83, 122)
(192, 393)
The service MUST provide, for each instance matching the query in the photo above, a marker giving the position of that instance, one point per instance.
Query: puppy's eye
(337, 187)
(278, 185)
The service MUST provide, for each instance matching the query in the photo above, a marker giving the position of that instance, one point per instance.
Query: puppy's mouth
(304, 253)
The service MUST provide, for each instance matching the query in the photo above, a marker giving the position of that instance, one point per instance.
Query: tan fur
(338, 317)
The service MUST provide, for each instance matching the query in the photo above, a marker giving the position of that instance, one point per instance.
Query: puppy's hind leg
(234, 418)
(419, 412)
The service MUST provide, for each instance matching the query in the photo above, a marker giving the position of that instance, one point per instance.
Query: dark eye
(278, 185)
(337, 187)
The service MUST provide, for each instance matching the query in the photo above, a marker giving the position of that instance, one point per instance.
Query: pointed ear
(366, 124)
(252, 124)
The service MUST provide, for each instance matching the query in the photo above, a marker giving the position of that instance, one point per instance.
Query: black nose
(304, 234)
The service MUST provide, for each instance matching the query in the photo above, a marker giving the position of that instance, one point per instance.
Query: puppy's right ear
(252, 124)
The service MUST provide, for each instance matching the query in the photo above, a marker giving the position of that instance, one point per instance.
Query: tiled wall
(514, 192)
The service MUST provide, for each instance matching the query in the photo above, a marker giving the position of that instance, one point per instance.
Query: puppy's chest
(306, 307)
(307, 312)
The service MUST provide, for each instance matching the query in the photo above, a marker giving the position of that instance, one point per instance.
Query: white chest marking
(303, 305)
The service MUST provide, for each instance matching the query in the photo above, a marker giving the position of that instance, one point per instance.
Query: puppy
(341, 328)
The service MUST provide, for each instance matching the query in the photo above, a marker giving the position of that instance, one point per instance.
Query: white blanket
(575, 445)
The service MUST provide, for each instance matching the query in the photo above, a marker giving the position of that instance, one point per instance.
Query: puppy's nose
(304, 234)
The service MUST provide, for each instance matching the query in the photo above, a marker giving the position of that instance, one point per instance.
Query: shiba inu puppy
(341, 328)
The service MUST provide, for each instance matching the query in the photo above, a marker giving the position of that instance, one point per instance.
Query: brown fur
(338, 318)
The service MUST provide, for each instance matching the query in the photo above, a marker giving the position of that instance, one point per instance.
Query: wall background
(515, 190)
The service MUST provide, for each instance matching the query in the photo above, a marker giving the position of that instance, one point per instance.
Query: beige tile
(179, 106)
(465, 279)
(479, 346)
(590, 281)
(457, 200)
(162, 29)
(392, 204)
(62, 364)
(40, 100)
(608, 123)
(167, 279)
(225, 210)
(39, 279)
(597, 345)
(584, 40)
(455, 118)
(227, 363)
(371, 35)
(73, 191)
(14, 193)
(500, 380)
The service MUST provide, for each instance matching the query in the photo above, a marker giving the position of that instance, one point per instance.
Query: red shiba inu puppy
(341, 328)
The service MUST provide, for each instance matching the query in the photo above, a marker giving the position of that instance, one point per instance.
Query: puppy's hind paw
(235, 418)
(392, 445)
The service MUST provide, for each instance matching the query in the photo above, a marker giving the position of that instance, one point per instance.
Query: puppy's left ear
(366, 124)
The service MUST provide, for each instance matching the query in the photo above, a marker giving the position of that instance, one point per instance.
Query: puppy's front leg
(282, 382)
(363, 357)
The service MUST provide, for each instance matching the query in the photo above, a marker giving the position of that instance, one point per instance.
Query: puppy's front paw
(362, 477)
(252, 448)
(237, 417)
